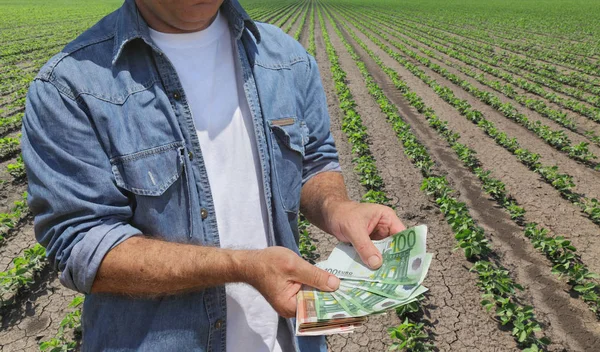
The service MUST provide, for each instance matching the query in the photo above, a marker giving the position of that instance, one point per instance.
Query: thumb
(367, 251)
(318, 278)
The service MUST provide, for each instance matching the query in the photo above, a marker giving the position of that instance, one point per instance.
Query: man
(168, 150)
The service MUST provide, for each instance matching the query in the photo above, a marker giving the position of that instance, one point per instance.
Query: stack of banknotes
(363, 291)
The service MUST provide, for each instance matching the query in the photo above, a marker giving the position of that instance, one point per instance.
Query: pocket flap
(290, 132)
(149, 172)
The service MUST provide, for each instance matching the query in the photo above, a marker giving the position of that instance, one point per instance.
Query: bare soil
(542, 202)
(457, 320)
(554, 307)
(582, 122)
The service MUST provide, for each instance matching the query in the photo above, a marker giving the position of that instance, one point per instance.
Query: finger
(396, 224)
(318, 278)
(367, 251)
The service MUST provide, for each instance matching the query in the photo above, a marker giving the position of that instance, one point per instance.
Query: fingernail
(374, 261)
(333, 282)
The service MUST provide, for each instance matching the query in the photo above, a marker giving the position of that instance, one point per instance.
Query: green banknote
(376, 303)
(403, 257)
(391, 290)
(363, 291)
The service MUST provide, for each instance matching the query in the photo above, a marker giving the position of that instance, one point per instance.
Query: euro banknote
(362, 291)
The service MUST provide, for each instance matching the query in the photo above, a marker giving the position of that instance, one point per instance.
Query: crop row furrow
(562, 182)
(534, 104)
(69, 330)
(298, 32)
(558, 139)
(588, 68)
(299, 11)
(368, 174)
(501, 70)
(562, 254)
(572, 79)
(498, 287)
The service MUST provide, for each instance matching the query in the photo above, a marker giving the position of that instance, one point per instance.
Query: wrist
(333, 210)
(244, 265)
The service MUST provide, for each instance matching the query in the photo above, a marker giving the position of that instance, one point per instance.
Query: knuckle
(288, 265)
(317, 277)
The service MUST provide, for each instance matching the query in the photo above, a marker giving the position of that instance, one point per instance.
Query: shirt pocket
(149, 172)
(288, 136)
(159, 183)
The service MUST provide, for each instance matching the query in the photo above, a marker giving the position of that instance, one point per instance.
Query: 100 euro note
(364, 291)
(403, 255)
(398, 291)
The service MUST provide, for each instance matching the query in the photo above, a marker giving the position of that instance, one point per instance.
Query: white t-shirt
(208, 70)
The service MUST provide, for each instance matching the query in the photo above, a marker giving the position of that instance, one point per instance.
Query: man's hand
(359, 223)
(278, 274)
(325, 203)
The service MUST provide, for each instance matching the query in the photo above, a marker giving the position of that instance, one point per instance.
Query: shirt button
(218, 324)
(203, 213)
(176, 96)
(191, 156)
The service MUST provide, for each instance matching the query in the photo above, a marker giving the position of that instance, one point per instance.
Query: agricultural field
(480, 119)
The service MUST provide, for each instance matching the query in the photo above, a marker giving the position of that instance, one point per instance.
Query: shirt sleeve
(320, 152)
(79, 213)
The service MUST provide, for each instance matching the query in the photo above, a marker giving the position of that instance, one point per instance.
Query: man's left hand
(359, 223)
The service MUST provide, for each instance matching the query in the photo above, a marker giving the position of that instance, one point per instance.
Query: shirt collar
(131, 25)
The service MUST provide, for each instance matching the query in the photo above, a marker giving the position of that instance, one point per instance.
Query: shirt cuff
(87, 254)
(331, 166)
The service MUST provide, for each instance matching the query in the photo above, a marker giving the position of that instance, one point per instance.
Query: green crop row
(10, 220)
(61, 342)
(485, 63)
(22, 274)
(511, 55)
(9, 146)
(563, 183)
(302, 22)
(312, 48)
(412, 335)
(499, 289)
(578, 81)
(558, 250)
(555, 138)
(307, 248)
(8, 124)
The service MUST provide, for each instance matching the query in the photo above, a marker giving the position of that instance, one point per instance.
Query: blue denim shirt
(111, 152)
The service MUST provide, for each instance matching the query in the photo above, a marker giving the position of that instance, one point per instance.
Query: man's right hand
(278, 274)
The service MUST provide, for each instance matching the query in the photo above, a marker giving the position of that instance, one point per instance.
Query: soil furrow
(306, 29)
(38, 316)
(497, 49)
(369, 339)
(459, 322)
(586, 179)
(543, 203)
(529, 266)
(297, 20)
(584, 123)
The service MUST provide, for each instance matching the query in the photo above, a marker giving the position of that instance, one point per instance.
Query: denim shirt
(111, 152)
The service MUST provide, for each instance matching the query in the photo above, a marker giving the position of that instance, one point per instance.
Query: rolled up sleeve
(320, 152)
(79, 213)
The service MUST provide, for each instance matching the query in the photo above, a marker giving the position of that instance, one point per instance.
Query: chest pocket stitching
(288, 137)
(149, 172)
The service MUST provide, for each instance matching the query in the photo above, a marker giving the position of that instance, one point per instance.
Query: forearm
(146, 267)
(320, 195)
